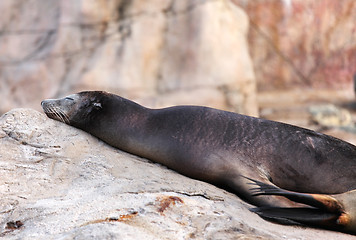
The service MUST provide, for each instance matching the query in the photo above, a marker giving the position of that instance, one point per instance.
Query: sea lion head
(76, 109)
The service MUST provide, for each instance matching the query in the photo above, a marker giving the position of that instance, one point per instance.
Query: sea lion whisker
(64, 115)
(59, 117)
(56, 113)
(47, 110)
(53, 111)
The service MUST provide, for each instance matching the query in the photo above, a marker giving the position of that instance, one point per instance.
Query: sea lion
(258, 159)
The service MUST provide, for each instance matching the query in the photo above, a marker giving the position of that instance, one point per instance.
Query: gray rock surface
(157, 52)
(58, 182)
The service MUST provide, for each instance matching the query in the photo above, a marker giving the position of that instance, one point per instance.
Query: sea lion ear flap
(97, 105)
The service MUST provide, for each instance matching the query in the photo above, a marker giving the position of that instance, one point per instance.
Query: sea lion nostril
(44, 103)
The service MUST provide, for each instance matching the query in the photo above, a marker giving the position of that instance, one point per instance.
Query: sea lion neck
(118, 122)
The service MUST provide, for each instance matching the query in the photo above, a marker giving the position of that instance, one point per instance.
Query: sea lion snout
(47, 102)
(57, 109)
(71, 109)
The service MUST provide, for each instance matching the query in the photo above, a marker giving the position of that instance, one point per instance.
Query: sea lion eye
(69, 98)
(97, 105)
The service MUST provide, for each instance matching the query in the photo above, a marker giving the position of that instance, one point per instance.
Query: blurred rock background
(302, 43)
(159, 53)
(272, 58)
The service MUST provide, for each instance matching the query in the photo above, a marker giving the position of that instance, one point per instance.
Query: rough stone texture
(331, 116)
(58, 182)
(157, 52)
(302, 42)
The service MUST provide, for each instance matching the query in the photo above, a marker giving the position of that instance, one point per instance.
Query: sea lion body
(220, 147)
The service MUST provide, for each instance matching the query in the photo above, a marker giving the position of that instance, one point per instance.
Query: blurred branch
(276, 49)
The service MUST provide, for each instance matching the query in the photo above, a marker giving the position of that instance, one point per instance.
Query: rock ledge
(59, 182)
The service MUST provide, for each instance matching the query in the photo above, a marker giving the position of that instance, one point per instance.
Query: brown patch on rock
(121, 218)
(166, 201)
(14, 225)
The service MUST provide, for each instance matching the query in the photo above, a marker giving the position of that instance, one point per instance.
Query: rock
(159, 53)
(331, 116)
(59, 182)
(302, 43)
(335, 121)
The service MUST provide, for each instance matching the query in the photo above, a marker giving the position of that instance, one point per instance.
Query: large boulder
(157, 52)
(58, 182)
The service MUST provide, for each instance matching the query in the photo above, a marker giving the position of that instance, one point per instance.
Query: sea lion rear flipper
(325, 210)
(297, 216)
(319, 201)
